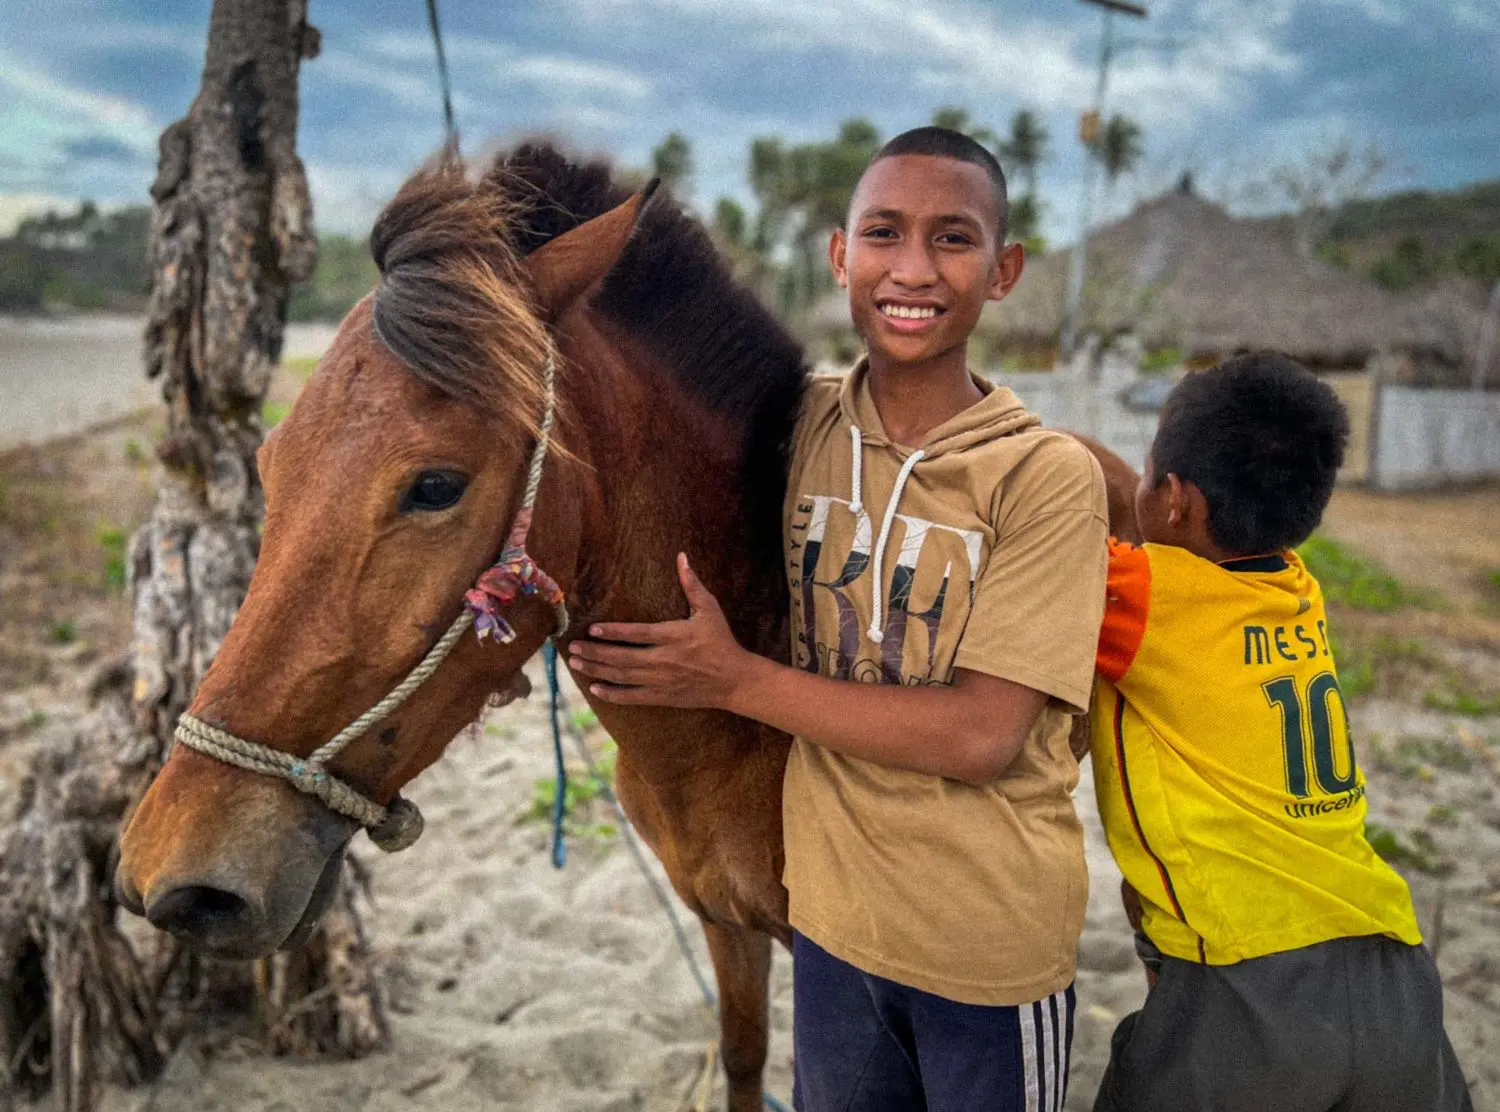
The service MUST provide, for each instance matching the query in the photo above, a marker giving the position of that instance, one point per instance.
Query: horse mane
(452, 302)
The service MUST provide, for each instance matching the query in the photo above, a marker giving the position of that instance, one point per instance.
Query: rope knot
(402, 826)
(306, 777)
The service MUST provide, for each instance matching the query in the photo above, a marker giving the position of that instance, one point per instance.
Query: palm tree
(957, 119)
(1118, 149)
(1025, 218)
(1026, 148)
(672, 161)
(730, 223)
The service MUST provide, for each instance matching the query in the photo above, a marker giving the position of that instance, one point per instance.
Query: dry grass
(66, 512)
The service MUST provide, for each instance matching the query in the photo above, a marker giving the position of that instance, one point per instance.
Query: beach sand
(60, 375)
(515, 985)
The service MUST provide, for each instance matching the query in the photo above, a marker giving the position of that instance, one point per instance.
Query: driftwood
(231, 232)
(75, 1003)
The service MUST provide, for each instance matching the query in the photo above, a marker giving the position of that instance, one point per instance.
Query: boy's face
(921, 256)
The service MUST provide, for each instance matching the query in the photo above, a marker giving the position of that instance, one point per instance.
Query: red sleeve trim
(1127, 601)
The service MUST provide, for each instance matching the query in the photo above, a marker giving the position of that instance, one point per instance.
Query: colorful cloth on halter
(513, 575)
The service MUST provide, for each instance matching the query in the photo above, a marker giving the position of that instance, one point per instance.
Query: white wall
(1417, 439)
(1425, 438)
(1084, 398)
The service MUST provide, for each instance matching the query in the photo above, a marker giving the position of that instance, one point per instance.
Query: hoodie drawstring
(856, 493)
(876, 632)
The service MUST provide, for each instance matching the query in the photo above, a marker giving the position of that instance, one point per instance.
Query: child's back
(1240, 820)
(1289, 968)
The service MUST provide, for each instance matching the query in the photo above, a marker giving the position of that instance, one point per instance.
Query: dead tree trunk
(232, 231)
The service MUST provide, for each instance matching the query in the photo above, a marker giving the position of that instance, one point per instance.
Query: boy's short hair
(943, 142)
(1263, 438)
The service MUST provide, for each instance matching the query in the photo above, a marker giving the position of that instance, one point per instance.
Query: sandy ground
(512, 985)
(59, 375)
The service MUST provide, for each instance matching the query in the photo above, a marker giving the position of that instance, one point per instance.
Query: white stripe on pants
(1045, 1053)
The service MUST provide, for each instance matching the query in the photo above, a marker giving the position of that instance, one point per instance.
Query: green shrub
(113, 541)
(1162, 359)
(582, 790)
(1351, 580)
(1418, 852)
(1461, 702)
(1356, 668)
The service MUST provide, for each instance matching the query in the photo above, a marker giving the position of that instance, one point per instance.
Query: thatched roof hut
(1181, 272)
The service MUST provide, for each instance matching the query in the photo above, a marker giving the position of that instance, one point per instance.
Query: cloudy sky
(1226, 87)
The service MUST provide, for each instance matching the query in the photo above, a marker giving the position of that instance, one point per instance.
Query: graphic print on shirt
(847, 653)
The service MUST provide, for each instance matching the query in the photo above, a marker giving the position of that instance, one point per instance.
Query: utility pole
(1093, 119)
(1486, 353)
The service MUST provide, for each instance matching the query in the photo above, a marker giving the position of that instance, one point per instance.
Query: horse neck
(657, 473)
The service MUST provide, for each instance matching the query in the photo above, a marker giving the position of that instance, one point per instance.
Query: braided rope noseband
(398, 825)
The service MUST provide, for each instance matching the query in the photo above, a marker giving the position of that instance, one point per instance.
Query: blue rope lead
(560, 801)
(560, 851)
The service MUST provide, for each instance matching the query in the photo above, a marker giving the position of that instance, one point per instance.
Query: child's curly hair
(1263, 438)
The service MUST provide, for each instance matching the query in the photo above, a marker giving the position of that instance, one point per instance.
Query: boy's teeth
(909, 312)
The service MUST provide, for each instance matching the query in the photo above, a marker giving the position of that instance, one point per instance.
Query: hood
(1000, 413)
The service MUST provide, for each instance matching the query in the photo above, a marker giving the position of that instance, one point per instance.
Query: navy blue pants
(866, 1044)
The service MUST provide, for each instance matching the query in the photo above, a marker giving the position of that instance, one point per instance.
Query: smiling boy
(946, 557)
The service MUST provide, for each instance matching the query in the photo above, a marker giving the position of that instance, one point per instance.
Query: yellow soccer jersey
(1225, 772)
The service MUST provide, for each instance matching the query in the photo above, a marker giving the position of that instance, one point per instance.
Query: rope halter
(398, 825)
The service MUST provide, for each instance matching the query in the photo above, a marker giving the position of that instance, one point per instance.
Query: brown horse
(390, 487)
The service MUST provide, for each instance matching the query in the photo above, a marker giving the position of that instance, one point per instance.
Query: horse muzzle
(238, 880)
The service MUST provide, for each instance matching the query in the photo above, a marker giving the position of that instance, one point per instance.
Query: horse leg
(742, 964)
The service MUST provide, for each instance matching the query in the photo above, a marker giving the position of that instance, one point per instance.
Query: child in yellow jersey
(1289, 968)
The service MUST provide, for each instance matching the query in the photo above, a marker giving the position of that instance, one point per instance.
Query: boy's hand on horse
(694, 662)
(969, 730)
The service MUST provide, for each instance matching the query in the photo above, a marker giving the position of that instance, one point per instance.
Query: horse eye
(433, 490)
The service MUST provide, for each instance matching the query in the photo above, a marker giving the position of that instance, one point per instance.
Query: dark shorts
(866, 1044)
(1351, 1025)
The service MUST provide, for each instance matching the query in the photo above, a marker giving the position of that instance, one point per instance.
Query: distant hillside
(345, 273)
(1405, 239)
(88, 259)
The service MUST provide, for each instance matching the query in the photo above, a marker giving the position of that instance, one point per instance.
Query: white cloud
(15, 207)
(68, 112)
(500, 63)
(577, 75)
(408, 89)
(1477, 15)
(966, 50)
(110, 34)
(346, 198)
(1391, 13)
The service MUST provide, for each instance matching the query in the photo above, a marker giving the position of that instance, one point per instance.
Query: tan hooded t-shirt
(993, 561)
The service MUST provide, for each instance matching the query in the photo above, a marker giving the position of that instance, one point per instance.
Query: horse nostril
(199, 911)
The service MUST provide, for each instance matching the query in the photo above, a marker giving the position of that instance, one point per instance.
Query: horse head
(390, 488)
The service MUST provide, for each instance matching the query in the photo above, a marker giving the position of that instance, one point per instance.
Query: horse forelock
(452, 303)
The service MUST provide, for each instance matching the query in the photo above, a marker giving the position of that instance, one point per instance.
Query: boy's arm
(970, 731)
(1127, 602)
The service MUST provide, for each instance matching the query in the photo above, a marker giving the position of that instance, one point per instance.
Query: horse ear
(563, 269)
